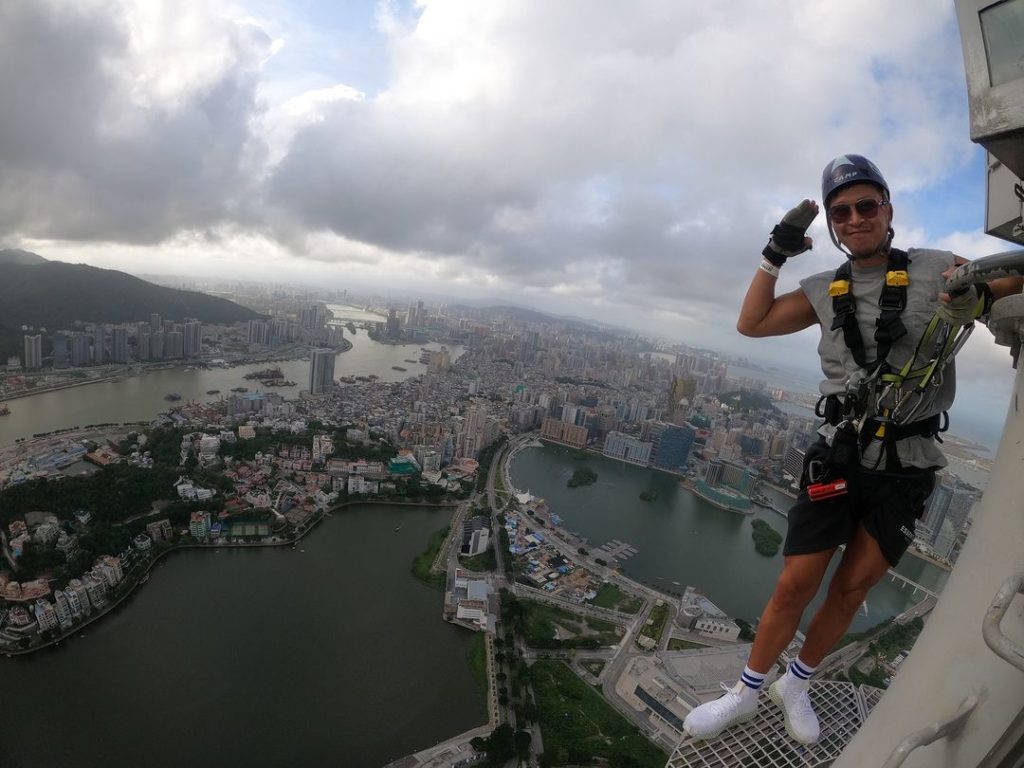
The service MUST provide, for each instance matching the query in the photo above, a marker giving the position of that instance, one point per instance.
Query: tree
(500, 745)
(523, 741)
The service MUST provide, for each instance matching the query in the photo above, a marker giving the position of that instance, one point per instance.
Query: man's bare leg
(797, 584)
(862, 566)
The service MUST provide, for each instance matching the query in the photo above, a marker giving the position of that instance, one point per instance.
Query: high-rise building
(321, 371)
(63, 608)
(563, 432)
(193, 338)
(46, 615)
(61, 350)
(99, 344)
(259, 332)
(33, 352)
(393, 326)
(627, 448)
(960, 505)
(199, 524)
(156, 342)
(143, 349)
(936, 507)
(174, 344)
(81, 349)
(119, 345)
(672, 445)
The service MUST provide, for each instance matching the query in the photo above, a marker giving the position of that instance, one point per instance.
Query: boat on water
(213, 391)
(267, 373)
(398, 368)
(239, 389)
(410, 361)
(172, 397)
(398, 528)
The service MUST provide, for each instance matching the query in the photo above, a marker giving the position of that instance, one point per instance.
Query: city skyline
(564, 159)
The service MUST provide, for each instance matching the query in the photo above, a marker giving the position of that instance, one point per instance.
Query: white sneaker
(710, 719)
(792, 698)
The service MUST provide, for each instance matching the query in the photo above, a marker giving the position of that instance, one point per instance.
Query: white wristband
(771, 269)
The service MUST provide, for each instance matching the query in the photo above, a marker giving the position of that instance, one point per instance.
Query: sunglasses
(866, 209)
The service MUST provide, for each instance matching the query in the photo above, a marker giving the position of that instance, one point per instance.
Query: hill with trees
(55, 295)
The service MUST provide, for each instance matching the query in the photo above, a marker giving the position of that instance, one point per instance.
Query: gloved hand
(965, 307)
(789, 237)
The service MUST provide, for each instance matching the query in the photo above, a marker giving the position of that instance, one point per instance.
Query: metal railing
(932, 733)
(1001, 645)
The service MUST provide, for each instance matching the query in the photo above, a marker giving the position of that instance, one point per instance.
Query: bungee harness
(878, 406)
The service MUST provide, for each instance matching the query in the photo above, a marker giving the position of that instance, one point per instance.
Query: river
(141, 397)
(327, 654)
(681, 539)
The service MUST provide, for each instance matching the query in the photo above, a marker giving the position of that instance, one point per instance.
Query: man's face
(861, 234)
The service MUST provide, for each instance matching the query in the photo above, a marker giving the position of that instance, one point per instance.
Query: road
(500, 580)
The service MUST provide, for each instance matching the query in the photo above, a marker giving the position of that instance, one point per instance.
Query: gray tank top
(839, 367)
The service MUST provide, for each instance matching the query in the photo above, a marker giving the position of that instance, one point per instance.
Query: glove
(966, 307)
(789, 237)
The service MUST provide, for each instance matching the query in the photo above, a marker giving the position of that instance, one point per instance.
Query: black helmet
(850, 169)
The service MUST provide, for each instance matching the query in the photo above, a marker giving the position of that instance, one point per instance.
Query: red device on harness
(820, 491)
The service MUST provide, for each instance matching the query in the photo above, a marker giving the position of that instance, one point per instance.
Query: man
(872, 469)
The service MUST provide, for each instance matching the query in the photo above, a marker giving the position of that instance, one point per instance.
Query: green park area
(678, 644)
(548, 627)
(545, 626)
(887, 641)
(654, 627)
(421, 564)
(579, 727)
(610, 596)
(476, 656)
(484, 562)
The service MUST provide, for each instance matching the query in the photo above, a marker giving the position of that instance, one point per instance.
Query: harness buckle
(892, 301)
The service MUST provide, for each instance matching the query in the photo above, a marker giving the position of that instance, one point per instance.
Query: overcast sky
(622, 161)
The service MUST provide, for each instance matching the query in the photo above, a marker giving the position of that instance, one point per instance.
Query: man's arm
(1003, 286)
(764, 314)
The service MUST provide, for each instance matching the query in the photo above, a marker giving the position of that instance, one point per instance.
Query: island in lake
(582, 476)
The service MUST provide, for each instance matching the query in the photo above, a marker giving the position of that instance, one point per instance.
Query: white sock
(749, 684)
(800, 672)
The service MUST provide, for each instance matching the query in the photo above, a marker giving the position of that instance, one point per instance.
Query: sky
(618, 161)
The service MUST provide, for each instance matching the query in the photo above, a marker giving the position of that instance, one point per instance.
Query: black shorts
(887, 503)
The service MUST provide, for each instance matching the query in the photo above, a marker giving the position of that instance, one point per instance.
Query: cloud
(630, 152)
(623, 162)
(125, 121)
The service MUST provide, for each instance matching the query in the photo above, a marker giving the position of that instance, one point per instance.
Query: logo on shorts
(907, 533)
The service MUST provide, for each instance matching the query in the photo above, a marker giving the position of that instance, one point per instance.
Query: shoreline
(129, 372)
(323, 514)
(18, 395)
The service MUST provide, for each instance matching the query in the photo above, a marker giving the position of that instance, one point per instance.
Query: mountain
(54, 295)
(18, 256)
